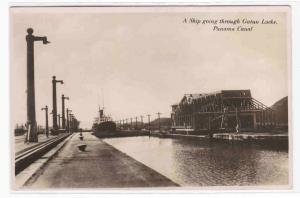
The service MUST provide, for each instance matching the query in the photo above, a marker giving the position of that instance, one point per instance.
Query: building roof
(191, 97)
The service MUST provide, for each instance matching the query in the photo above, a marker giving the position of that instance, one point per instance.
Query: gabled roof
(190, 97)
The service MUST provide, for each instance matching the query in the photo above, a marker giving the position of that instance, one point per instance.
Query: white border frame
(4, 71)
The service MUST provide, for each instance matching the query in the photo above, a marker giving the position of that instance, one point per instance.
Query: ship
(103, 124)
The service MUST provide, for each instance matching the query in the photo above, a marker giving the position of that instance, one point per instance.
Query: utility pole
(46, 113)
(58, 118)
(54, 111)
(142, 124)
(63, 98)
(31, 116)
(68, 119)
(131, 123)
(71, 116)
(158, 114)
(149, 121)
(72, 121)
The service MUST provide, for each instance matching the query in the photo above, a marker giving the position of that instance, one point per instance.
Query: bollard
(82, 147)
(80, 136)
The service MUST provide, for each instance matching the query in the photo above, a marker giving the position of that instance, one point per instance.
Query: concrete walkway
(100, 166)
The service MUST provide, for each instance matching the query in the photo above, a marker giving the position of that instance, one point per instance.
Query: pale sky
(144, 60)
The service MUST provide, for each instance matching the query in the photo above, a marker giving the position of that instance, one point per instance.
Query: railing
(24, 159)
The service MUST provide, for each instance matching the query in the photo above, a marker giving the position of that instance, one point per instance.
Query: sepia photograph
(150, 97)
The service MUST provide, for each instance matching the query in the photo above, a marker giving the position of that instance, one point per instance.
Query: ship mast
(103, 117)
(99, 113)
(102, 99)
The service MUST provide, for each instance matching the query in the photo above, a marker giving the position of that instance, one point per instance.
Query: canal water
(204, 163)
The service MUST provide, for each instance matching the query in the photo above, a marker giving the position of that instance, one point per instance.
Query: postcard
(150, 97)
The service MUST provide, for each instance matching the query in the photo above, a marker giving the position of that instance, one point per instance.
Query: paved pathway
(100, 166)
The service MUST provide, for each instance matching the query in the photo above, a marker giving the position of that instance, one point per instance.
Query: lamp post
(31, 116)
(71, 121)
(58, 119)
(63, 98)
(54, 111)
(47, 127)
(68, 119)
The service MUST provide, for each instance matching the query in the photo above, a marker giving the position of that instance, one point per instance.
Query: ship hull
(105, 127)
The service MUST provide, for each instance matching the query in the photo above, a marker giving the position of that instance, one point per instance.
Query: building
(223, 110)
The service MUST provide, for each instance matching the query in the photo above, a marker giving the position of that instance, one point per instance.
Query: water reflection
(205, 163)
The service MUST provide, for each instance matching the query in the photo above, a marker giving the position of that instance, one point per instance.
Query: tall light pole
(63, 98)
(46, 112)
(68, 119)
(58, 118)
(72, 121)
(31, 116)
(54, 111)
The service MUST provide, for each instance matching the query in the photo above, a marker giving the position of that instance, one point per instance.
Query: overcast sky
(141, 61)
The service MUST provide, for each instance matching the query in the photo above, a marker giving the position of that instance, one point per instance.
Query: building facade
(223, 110)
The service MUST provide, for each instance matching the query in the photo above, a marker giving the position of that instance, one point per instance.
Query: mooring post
(31, 116)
